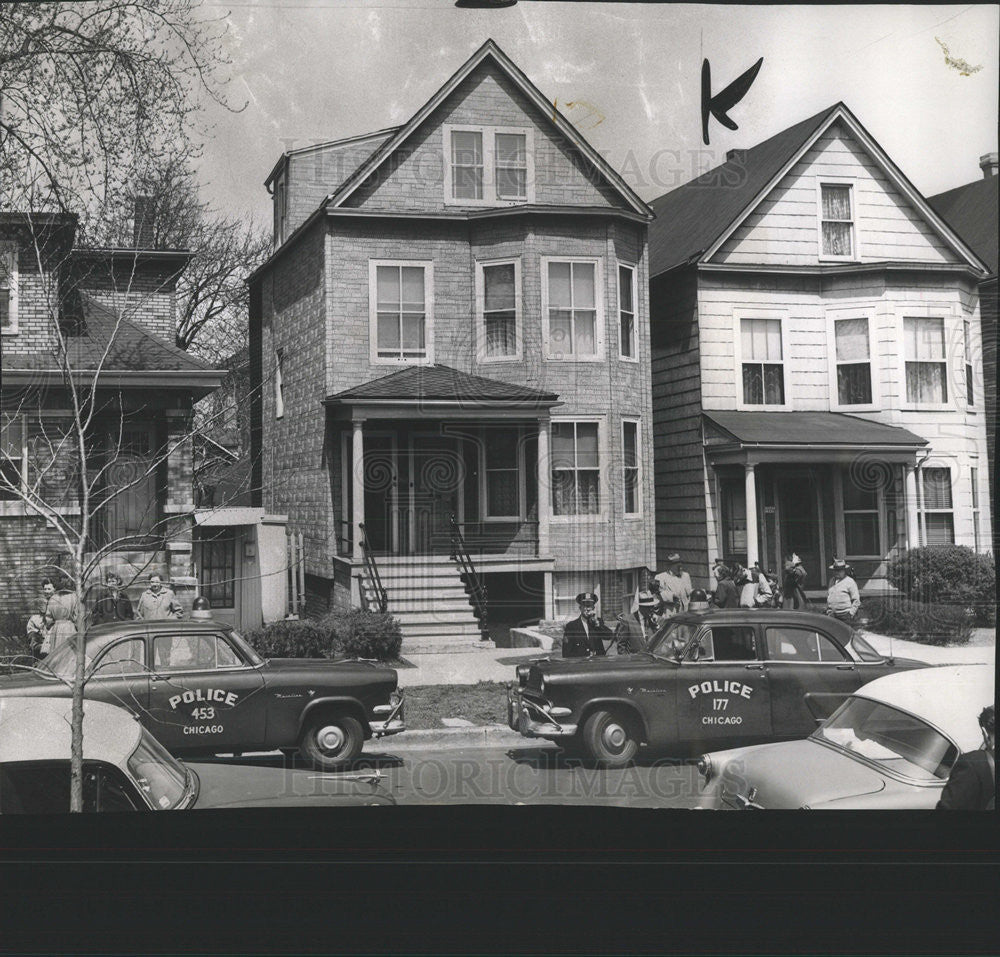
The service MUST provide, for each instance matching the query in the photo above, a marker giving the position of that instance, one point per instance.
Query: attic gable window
(8, 288)
(837, 221)
(488, 165)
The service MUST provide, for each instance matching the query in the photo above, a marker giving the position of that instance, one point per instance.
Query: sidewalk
(981, 649)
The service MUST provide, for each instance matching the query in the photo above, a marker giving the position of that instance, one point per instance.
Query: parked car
(890, 746)
(201, 689)
(126, 769)
(717, 679)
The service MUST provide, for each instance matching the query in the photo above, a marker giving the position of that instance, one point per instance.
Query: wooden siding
(677, 437)
(784, 228)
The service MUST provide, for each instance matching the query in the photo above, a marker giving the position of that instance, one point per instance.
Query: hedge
(355, 634)
(928, 624)
(948, 575)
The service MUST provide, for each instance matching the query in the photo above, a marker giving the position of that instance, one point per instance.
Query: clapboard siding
(677, 384)
(785, 227)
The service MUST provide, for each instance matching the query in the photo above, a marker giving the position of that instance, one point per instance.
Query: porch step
(444, 645)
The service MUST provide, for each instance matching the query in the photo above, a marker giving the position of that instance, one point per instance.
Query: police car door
(724, 698)
(119, 675)
(203, 695)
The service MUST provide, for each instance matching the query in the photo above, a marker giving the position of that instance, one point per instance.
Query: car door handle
(755, 667)
(845, 667)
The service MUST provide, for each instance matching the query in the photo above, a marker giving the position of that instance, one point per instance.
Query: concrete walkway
(497, 664)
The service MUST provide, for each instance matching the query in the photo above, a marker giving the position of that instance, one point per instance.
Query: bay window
(939, 519)
(630, 466)
(571, 309)
(499, 301)
(969, 393)
(576, 475)
(626, 313)
(763, 363)
(854, 372)
(926, 361)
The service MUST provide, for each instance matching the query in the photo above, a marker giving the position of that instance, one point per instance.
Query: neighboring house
(116, 308)
(454, 324)
(815, 336)
(972, 211)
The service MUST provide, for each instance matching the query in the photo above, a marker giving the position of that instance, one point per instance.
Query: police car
(126, 769)
(890, 746)
(706, 681)
(201, 689)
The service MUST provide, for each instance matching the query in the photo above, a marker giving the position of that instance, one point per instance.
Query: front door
(437, 474)
(381, 482)
(132, 513)
(800, 523)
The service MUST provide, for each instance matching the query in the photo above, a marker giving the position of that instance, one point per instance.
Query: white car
(891, 745)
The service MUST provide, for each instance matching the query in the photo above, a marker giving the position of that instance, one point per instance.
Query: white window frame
(281, 207)
(521, 480)
(855, 246)
(974, 487)
(17, 506)
(879, 512)
(782, 316)
(373, 356)
(489, 134)
(925, 510)
(9, 251)
(942, 311)
(969, 382)
(834, 316)
(279, 383)
(637, 422)
(599, 337)
(635, 311)
(558, 597)
(603, 459)
(481, 340)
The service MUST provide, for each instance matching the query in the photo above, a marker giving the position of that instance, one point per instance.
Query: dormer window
(837, 240)
(487, 165)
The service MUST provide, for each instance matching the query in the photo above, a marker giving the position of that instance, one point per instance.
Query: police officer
(586, 635)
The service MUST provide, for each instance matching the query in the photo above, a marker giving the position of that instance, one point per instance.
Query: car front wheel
(331, 741)
(609, 739)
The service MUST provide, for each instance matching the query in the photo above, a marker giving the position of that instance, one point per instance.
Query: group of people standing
(53, 621)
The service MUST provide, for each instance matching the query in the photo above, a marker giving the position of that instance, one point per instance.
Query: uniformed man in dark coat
(586, 635)
(972, 783)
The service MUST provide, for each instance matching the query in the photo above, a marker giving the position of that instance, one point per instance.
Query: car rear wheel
(610, 739)
(331, 741)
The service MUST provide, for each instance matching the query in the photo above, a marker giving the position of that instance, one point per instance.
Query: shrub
(364, 634)
(928, 624)
(948, 575)
(292, 639)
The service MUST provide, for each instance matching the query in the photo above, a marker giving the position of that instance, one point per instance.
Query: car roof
(128, 627)
(949, 697)
(38, 729)
(769, 616)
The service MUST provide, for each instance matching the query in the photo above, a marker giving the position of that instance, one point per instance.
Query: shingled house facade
(817, 385)
(116, 311)
(451, 338)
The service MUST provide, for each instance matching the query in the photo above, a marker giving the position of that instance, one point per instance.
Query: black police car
(706, 682)
(201, 689)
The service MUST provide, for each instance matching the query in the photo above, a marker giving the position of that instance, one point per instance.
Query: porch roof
(826, 435)
(445, 388)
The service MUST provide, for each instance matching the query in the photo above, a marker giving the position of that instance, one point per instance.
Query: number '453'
(203, 714)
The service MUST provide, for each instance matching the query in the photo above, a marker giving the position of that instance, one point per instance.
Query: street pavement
(524, 774)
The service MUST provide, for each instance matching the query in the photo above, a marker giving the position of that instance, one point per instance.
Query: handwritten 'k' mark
(723, 101)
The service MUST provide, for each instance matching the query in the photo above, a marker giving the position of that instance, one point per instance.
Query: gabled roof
(813, 429)
(693, 220)
(490, 50)
(972, 211)
(438, 382)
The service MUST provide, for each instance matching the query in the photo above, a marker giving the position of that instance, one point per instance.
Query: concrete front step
(438, 627)
(443, 645)
(441, 592)
(405, 606)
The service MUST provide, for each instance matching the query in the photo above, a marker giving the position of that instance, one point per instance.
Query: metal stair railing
(380, 599)
(477, 590)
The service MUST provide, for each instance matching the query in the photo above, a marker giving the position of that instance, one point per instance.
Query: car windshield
(161, 778)
(892, 739)
(863, 650)
(671, 638)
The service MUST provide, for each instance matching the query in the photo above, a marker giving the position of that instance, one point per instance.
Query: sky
(628, 75)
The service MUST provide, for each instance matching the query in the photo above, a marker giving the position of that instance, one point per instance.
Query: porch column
(544, 490)
(751, 497)
(357, 486)
(912, 515)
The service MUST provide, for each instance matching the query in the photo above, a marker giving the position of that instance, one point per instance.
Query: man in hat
(111, 603)
(586, 635)
(675, 584)
(842, 597)
(638, 627)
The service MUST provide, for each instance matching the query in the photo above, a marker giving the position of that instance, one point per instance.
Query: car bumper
(392, 723)
(535, 719)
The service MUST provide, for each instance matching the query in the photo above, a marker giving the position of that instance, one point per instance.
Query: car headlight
(705, 768)
(541, 684)
(395, 698)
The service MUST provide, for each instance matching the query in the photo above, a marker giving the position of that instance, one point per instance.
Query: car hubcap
(330, 738)
(614, 736)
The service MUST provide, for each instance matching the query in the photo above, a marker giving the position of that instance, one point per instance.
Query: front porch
(778, 486)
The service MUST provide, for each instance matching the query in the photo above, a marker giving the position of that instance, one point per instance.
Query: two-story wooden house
(815, 356)
(451, 343)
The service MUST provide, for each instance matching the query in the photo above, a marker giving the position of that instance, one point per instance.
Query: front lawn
(482, 703)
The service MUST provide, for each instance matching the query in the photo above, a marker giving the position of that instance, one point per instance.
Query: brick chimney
(143, 232)
(988, 164)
